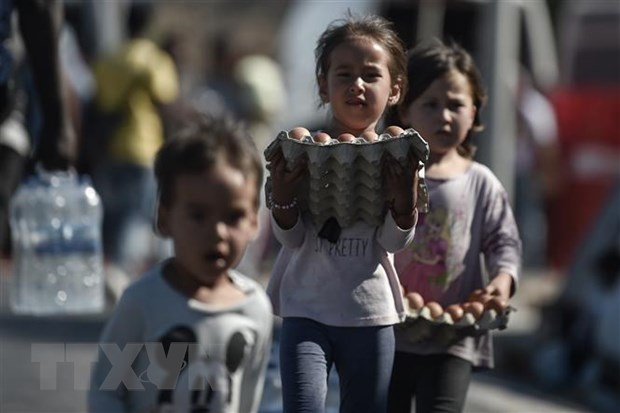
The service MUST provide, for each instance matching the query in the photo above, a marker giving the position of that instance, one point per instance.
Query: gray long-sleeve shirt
(469, 218)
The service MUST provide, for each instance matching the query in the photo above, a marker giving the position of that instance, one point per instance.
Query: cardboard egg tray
(419, 326)
(344, 178)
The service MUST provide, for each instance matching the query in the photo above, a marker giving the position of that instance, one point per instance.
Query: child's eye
(196, 215)
(234, 217)
(455, 105)
(371, 77)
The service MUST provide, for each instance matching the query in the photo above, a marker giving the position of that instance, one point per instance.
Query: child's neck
(446, 165)
(220, 291)
(223, 295)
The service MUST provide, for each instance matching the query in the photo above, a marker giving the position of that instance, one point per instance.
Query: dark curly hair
(199, 146)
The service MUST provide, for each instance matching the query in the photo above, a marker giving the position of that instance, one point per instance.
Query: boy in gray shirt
(193, 333)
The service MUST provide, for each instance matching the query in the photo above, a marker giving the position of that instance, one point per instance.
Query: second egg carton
(420, 327)
(344, 179)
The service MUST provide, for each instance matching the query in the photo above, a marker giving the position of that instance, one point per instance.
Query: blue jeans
(128, 193)
(363, 358)
(439, 383)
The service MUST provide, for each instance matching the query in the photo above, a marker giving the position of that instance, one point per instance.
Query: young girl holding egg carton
(340, 297)
(469, 217)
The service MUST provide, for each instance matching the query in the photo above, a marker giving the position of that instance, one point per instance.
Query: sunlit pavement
(26, 385)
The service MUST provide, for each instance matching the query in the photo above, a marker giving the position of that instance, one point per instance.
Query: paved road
(28, 386)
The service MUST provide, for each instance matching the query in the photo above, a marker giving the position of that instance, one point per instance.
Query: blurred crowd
(124, 100)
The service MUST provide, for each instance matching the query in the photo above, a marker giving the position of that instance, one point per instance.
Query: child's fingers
(393, 179)
(280, 171)
(392, 166)
(400, 173)
(297, 172)
(273, 162)
(277, 164)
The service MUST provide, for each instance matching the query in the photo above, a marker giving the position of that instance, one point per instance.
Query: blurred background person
(176, 113)
(263, 99)
(35, 126)
(219, 93)
(125, 131)
(79, 83)
(246, 83)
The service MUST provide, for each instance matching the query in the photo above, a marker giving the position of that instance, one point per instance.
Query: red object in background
(589, 139)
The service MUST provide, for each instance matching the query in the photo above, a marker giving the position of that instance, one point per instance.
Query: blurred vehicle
(587, 103)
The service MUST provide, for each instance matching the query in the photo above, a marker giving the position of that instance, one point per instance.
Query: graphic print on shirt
(204, 382)
(343, 247)
(433, 264)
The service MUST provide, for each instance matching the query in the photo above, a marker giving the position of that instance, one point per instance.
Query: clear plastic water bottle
(56, 222)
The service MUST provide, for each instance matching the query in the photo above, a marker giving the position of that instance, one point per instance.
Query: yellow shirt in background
(134, 80)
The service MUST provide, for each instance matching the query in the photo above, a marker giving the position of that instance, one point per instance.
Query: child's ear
(394, 94)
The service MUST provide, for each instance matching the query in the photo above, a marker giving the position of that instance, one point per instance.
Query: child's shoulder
(485, 177)
(249, 286)
(482, 171)
(245, 283)
(147, 283)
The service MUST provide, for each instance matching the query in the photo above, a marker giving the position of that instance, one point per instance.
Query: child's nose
(356, 85)
(446, 114)
(219, 230)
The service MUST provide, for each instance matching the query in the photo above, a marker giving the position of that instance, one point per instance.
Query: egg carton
(344, 179)
(420, 327)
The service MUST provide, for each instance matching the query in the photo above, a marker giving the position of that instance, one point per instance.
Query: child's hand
(401, 184)
(284, 184)
(501, 286)
(284, 181)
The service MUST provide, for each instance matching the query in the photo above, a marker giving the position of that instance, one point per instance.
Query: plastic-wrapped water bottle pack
(56, 222)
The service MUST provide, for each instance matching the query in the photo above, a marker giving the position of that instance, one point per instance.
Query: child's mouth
(356, 102)
(216, 259)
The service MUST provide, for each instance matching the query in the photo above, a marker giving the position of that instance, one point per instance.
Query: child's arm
(501, 244)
